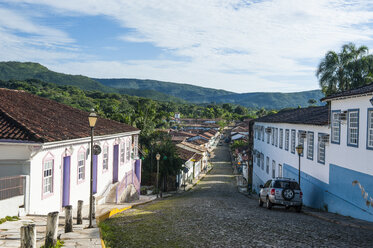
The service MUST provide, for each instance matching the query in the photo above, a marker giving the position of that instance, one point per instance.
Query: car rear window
(286, 184)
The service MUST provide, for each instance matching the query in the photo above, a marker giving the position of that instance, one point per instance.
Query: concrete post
(68, 218)
(52, 230)
(28, 236)
(79, 220)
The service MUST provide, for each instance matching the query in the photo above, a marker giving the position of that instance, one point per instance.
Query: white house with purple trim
(45, 155)
(336, 167)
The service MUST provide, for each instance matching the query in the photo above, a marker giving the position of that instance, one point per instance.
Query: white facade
(278, 156)
(343, 182)
(41, 198)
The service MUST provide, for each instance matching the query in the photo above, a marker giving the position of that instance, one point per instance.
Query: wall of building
(79, 189)
(281, 156)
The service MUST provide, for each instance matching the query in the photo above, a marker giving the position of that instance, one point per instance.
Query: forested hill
(28, 70)
(196, 94)
(157, 90)
(184, 91)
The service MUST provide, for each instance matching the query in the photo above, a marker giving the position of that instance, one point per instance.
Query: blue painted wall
(339, 196)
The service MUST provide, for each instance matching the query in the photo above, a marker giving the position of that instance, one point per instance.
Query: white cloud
(232, 44)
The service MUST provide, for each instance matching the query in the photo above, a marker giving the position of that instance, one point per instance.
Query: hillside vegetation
(158, 90)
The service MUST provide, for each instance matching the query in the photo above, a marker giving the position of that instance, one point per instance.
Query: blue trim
(318, 153)
(313, 144)
(368, 148)
(331, 129)
(281, 141)
(287, 147)
(358, 127)
(291, 141)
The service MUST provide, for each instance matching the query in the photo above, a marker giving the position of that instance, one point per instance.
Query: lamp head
(92, 118)
(299, 149)
(158, 156)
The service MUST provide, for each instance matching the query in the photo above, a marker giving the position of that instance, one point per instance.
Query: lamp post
(299, 149)
(158, 157)
(92, 118)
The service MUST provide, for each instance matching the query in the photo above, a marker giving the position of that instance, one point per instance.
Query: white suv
(281, 191)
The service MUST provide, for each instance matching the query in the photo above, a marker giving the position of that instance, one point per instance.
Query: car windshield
(286, 184)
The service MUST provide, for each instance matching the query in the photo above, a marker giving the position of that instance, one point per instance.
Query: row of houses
(336, 166)
(45, 155)
(194, 146)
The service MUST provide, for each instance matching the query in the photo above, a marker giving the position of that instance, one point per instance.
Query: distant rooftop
(310, 115)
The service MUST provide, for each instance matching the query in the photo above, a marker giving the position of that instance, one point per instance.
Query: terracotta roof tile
(31, 118)
(310, 115)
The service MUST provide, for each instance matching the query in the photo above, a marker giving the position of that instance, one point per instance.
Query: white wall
(281, 156)
(10, 206)
(79, 190)
(354, 158)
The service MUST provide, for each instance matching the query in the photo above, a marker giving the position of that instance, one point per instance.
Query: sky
(235, 45)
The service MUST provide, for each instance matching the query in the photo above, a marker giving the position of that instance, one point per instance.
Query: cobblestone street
(215, 214)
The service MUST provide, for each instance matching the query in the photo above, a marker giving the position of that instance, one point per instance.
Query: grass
(9, 218)
(152, 225)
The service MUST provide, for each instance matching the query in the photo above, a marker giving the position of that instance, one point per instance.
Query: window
(81, 166)
(292, 141)
(320, 149)
(255, 132)
(279, 170)
(273, 169)
(310, 142)
(268, 137)
(48, 176)
(105, 156)
(287, 133)
(336, 127)
(301, 140)
(353, 128)
(266, 185)
(122, 152)
(273, 135)
(281, 138)
(128, 150)
(370, 129)
(135, 147)
(259, 133)
(267, 165)
(276, 137)
(262, 160)
(262, 130)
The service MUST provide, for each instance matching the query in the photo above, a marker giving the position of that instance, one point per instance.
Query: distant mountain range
(158, 90)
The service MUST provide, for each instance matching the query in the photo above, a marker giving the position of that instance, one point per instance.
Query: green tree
(341, 71)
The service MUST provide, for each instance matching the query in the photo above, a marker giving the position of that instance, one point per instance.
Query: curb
(199, 180)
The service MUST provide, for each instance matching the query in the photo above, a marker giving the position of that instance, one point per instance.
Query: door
(115, 164)
(66, 182)
(94, 174)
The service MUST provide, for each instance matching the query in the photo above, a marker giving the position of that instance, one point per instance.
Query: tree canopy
(350, 68)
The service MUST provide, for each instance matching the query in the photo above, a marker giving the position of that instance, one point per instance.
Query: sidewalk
(80, 237)
(330, 217)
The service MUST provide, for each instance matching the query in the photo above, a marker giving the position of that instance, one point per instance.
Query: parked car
(281, 191)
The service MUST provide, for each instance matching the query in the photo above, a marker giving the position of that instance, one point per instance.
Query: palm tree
(337, 71)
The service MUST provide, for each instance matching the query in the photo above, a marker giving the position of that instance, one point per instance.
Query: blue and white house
(337, 162)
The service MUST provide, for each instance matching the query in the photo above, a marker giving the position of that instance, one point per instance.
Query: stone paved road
(214, 214)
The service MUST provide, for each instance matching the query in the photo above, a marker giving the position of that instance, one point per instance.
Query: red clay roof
(184, 154)
(27, 117)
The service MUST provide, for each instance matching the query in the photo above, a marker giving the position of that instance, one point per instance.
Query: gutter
(325, 99)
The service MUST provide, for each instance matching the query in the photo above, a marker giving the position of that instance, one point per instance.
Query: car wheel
(268, 204)
(288, 194)
(298, 208)
(260, 202)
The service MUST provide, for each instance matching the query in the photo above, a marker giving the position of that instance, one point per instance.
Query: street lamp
(158, 157)
(299, 149)
(92, 118)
